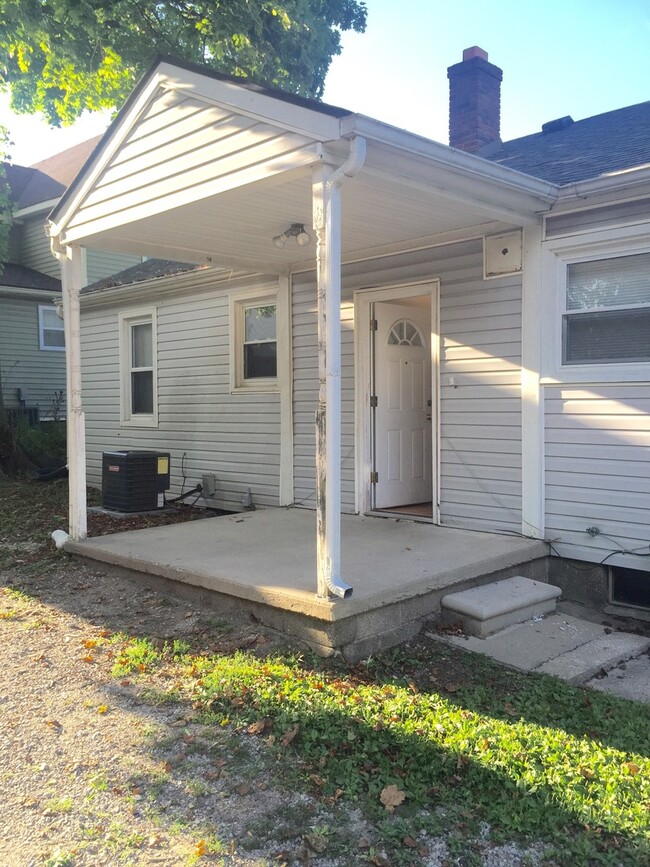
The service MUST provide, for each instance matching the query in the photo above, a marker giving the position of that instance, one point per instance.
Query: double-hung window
(138, 368)
(50, 329)
(606, 316)
(255, 330)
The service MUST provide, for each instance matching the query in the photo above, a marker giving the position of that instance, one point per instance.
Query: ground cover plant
(186, 737)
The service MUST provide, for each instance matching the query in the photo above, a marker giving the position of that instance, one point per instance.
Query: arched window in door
(405, 333)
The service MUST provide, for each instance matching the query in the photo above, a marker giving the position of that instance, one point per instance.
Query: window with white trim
(50, 329)
(606, 315)
(254, 347)
(138, 350)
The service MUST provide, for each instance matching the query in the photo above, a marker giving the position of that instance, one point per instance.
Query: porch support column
(72, 278)
(326, 202)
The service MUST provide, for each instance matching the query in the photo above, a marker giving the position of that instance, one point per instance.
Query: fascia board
(44, 295)
(39, 207)
(450, 159)
(260, 106)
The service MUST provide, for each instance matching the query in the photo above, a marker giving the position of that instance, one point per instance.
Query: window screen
(607, 319)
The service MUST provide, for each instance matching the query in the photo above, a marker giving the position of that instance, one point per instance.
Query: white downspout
(327, 224)
(72, 266)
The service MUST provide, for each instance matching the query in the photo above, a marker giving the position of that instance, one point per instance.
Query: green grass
(537, 759)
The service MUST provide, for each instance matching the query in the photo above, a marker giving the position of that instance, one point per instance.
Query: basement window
(607, 311)
(629, 587)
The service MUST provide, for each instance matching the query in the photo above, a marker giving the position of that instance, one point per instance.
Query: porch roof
(199, 168)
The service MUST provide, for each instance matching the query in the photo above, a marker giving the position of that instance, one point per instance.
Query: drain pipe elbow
(353, 164)
(338, 587)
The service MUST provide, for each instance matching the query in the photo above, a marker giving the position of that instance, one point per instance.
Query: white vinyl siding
(598, 470)
(177, 131)
(39, 374)
(236, 437)
(480, 324)
(589, 219)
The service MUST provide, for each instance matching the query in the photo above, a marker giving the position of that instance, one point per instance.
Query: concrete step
(600, 654)
(485, 610)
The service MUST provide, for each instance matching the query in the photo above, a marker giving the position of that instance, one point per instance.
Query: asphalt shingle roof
(149, 270)
(584, 149)
(19, 276)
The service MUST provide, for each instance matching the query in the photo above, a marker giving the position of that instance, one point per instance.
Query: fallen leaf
(201, 849)
(391, 797)
(410, 842)
(289, 735)
(586, 773)
(257, 728)
(632, 768)
(452, 687)
(244, 789)
(89, 642)
(102, 708)
(54, 724)
(510, 709)
(88, 658)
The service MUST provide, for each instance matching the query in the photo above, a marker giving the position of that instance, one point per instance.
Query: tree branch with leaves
(61, 57)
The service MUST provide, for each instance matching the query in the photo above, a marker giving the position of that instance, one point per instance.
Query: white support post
(326, 204)
(326, 223)
(72, 266)
(532, 412)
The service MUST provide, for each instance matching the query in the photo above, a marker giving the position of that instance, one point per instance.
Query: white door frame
(363, 298)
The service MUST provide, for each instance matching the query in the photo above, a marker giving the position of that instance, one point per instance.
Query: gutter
(44, 295)
(448, 157)
(615, 182)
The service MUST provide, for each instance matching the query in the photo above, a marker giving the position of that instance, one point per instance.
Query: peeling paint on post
(71, 278)
(323, 558)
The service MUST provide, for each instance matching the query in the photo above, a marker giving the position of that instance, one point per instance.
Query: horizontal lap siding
(305, 394)
(179, 145)
(480, 395)
(480, 412)
(598, 470)
(35, 248)
(598, 218)
(23, 364)
(234, 436)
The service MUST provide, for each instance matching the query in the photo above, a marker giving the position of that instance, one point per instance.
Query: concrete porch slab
(265, 561)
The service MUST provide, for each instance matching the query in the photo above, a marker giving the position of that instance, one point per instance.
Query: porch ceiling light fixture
(295, 230)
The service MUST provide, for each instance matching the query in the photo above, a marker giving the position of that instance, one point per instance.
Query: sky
(559, 57)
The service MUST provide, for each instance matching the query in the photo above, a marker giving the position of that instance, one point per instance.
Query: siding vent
(630, 587)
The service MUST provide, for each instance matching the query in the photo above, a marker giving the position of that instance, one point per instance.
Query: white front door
(402, 416)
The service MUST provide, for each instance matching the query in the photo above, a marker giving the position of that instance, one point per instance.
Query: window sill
(144, 422)
(257, 388)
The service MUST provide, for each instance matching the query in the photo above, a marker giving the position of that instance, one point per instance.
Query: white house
(468, 325)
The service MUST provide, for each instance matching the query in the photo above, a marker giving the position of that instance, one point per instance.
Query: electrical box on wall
(502, 255)
(134, 481)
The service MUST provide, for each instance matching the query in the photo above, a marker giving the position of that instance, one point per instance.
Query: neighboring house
(32, 346)
(494, 360)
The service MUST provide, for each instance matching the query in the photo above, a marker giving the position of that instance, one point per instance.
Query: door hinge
(374, 478)
(373, 401)
(373, 324)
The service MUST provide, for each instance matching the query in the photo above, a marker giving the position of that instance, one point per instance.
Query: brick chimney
(474, 101)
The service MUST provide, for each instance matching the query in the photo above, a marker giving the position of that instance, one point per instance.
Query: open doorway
(401, 400)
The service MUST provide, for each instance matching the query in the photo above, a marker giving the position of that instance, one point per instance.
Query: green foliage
(45, 443)
(533, 757)
(61, 58)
